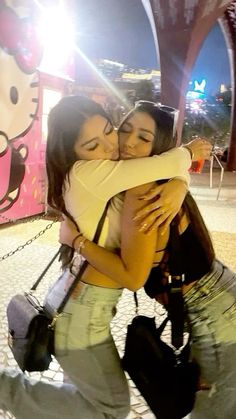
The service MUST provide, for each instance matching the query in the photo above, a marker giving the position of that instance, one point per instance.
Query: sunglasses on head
(166, 109)
(158, 105)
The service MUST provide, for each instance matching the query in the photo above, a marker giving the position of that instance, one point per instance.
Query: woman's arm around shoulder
(105, 178)
(131, 267)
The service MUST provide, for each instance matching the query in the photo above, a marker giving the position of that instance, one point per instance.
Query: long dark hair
(64, 124)
(165, 124)
(165, 138)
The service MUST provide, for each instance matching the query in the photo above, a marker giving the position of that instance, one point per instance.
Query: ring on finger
(143, 227)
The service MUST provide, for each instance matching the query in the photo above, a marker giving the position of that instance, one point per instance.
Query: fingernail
(136, 217)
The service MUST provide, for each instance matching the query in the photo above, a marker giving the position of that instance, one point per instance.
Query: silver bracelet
(81, 245)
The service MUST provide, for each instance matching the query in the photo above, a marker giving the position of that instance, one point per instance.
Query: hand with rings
(166, 201)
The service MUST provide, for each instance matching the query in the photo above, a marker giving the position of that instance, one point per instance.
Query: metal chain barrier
(23, 220)
(21, 247)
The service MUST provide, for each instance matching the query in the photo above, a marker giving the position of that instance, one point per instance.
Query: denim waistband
(98, 293)
(218, 279)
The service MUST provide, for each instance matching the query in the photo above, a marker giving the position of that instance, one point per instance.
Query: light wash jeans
(87, 353)
(211, 306)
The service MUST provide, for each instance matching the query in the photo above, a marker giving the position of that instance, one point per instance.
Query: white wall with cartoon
(22, 148)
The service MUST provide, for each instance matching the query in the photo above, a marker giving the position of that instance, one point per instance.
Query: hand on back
(166, 202)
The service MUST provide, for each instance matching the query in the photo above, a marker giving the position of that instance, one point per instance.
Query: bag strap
(33, 288)
(175, 307)
(175, 294)
(85, 264)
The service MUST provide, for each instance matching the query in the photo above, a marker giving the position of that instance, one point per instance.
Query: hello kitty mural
(20, 54)
(22, 148)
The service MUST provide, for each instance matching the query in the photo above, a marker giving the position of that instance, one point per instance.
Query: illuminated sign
(200, 86)
(146, 76)
(223, 88)
(195, 95)
(198, 91)
(136, 76)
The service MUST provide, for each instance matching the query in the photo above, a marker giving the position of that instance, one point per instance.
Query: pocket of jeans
(100, 324)
(230, 313)
(102, 315)
(61, 334)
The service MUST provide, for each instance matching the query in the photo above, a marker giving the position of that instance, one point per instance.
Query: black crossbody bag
(165, 375)
(31, 326)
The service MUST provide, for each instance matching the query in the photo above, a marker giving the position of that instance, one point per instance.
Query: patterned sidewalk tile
(19, 271)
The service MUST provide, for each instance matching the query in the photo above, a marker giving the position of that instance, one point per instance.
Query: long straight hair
(164, 140)
(64, 125)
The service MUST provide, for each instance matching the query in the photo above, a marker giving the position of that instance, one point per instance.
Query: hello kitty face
(20, 55)
(18, 98)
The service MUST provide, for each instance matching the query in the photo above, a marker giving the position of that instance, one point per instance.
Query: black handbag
(30, 333)
(165, 375)
(31, 325)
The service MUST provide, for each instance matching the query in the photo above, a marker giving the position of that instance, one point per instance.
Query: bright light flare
(103, 80)
(57, 34)
(195, 106)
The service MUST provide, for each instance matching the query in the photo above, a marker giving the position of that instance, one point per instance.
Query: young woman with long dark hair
(209, 288)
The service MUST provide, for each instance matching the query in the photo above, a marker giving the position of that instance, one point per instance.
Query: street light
(57, 35)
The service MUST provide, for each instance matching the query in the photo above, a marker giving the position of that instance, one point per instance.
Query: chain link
(28, 242)
(23, 220)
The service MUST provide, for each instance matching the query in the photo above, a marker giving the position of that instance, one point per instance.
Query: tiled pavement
(19, 271)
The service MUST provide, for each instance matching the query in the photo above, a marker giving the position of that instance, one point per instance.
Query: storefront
(37, 69)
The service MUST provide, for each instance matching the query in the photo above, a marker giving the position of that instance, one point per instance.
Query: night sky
(119, 30)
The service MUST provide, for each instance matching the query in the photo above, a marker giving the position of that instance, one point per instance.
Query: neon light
(195, 95)
(200, 86)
